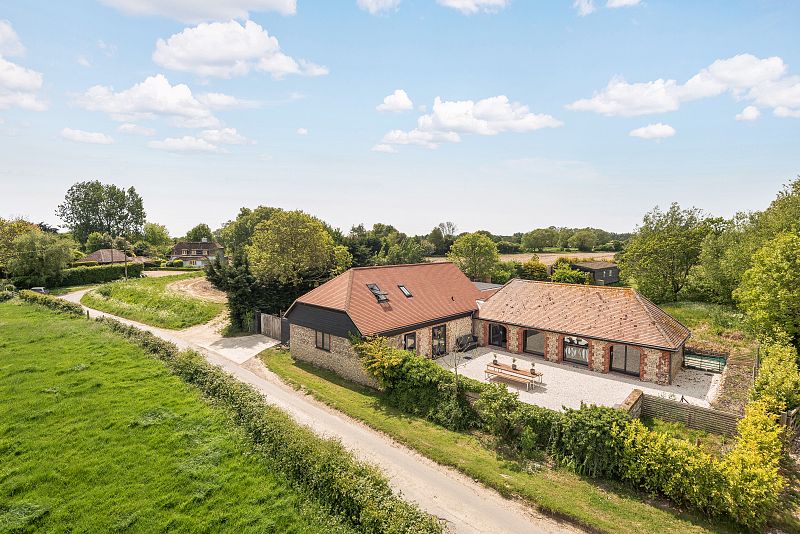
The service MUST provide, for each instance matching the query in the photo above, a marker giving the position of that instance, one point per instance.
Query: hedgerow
(355, 490)
(51, 302)
(99, 274)
(597, 441)
(778, 380)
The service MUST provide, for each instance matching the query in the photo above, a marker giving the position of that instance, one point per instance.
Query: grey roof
(487, 286)
(594, 264)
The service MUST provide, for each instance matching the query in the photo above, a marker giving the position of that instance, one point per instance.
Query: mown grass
(602, 507)
(96, 436)
(58, 291)
(148, 301)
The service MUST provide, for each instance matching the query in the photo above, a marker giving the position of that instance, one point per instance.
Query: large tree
(10, 229)
(659, 257)
(96, 207)
(39, 257)
(770, 290)
(584, 240)
(538, 239)
(200, 232)
(237, 234)
(293, 246)
(476, 255)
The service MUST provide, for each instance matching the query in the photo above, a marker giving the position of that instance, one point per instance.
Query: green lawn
(607, 508)
(147, 300)
(96, 436)
(57, 291)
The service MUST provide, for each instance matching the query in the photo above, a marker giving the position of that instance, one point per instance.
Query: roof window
(381, 296)
(405, 290)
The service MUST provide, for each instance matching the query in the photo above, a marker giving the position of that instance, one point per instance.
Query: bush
(177, 263)
(51, 302)
(84, 264)
(323, 467)
(6, 295)
(98, 274)
(533, 269)
(778, 380)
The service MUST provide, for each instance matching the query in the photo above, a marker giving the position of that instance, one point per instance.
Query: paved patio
(566, 384)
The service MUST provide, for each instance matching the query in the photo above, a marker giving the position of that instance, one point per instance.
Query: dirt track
(199, 288)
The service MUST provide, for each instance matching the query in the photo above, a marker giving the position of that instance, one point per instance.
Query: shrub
(533, 269)
(51, 302)
(5, 295)
(778, 380)
(98, 274)
(323, 467)
(84, 264)
(177, 263)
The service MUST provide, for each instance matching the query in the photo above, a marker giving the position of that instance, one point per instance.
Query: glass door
(576, 350)
(439, 340)
(497, 335)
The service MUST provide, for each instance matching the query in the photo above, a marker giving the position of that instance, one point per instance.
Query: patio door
(625, 359)
(576, 350)
(439, 340)
(497, 335)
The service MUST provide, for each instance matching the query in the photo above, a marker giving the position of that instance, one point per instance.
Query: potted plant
(494, 359)
(533, 367)
(513, 363)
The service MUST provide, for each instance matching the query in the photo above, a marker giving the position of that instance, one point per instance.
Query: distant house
(602, 328)
(421, 307)
(197, 253)
(603, 272)
(106, 256)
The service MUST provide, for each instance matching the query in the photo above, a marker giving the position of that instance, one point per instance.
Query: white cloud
(135, 129)
(653, 131)
(109, 49)
(397, 101)
(302, 131)
(223, 101)
(383, 147)
(745, 76)
(750, 113)
(378, 6)
(584, 7)
(82, 136)
(184, 144)
(10, 45)
(83, 61)
(470, 7)
(155, 96)
(224, 136)
(202, 10)
(18, 87)
(227, 49)
(785, 112)
(622, 3)
(489, 116)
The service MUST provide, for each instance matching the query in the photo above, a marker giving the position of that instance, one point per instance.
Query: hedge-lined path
(465, 505)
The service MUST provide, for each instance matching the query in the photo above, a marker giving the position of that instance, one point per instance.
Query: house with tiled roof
(421, 307)
(106, 256)
(197, 253)
(606, 329)
(602, 272)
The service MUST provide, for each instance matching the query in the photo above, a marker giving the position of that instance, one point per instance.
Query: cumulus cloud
(375, 7)
(653, 131)
(10, 45)
(135, 129)
(383, 147)
(395, 102)
(223, 101)
(227, 49)
(153, 97)
(302, 131)
(18, 85)
(750, 113)
(622, 3)
(584, 7)
(224, 136)
(745, 76)
(186, 143)
(82, 136)
(470, 7)
(193, 11)
(449, 119)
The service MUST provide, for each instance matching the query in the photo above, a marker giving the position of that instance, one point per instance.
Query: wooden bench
(520, 376)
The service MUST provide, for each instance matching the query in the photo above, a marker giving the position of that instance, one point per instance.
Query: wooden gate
(273, 326)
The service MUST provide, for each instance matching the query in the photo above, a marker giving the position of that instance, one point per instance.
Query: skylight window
(405, 290)
(381, 296)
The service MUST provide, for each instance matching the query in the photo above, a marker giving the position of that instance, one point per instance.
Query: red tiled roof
(105, 255)
(608, 313)
(438, 290)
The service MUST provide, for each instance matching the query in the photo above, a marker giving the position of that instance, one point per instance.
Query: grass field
(148, 301)
(95, 436)
(607, 508)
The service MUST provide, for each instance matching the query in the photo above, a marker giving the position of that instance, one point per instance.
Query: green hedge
(102, 273)
(356, 491)
(51, 302)
(166, 268)
(84, 263)
(778, 380)
(596, 441)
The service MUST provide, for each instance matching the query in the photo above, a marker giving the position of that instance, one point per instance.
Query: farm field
(150, 301)
(96, 436)
(548, 258)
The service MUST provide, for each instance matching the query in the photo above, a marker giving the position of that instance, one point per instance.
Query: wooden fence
(791, 418)
(272, 326)
(692, 416)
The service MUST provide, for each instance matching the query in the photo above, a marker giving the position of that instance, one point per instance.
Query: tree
(293, 246)
(156, 236)
(583, 240)
(533, 269)
(770, 290)
(199, 232)
(96, 241)
(407, 250)
(39, 257)
(10, 229)
(448, 230)
(475, 254)
(237, 234)
(95, 207)
(567, 275)
(538, 239)
(660, 255)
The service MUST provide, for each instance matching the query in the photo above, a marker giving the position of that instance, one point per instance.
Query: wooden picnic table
(523, 376)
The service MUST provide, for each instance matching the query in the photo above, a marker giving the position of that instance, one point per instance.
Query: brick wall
(554, 347)
(599, 356)
(655, 366)
(677, 363)
(455, 329)
(341, 359)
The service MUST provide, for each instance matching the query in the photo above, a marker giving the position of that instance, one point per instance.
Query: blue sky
(510, 115)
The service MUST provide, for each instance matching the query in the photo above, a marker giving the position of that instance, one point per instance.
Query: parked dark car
(466, 342)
